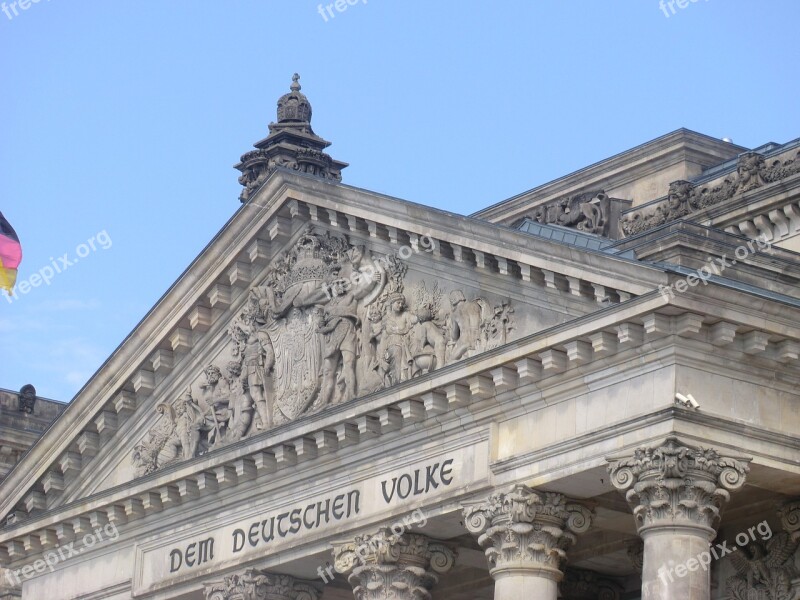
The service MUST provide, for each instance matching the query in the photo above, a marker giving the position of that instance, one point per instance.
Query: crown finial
(295, 87)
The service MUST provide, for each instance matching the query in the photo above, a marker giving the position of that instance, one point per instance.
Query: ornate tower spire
(291, 144)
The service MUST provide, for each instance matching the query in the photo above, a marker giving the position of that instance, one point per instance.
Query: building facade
(24, 416)
(587, 391)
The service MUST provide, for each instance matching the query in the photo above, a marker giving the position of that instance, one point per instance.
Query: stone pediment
(313, 295)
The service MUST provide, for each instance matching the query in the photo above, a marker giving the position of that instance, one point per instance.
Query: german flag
(10, 255)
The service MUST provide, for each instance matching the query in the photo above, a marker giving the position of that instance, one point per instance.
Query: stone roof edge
(564, 186)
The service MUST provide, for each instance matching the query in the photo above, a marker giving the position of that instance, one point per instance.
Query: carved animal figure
(764, 572)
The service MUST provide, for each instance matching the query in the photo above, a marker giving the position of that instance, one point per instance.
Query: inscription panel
(263, 530)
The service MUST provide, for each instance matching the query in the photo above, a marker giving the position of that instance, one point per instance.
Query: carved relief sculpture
(684, 197)
(329, 322)
(587, 212)
(765, 570)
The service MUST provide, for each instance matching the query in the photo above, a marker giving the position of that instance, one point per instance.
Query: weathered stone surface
(291, 144)
(525, 535)
(387, 565)
(256, 584)
(330, 322)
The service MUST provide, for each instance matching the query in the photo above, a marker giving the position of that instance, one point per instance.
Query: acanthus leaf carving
(678, 484)
(388, 565)
(256, 584)
(525, 527)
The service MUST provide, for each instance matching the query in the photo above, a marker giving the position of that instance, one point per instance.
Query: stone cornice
(616, 171)
(111, 380)
(529, 360)
(525, 361)
(668, 419)
(488, 238)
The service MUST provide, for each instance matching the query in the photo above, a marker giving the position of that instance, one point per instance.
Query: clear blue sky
(126, 117)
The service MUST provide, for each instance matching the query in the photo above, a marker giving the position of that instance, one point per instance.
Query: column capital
(386, 565)
(678, 485)
(255, 584)
(525, 532)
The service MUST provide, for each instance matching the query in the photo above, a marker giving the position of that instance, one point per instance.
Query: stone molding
(385, 565)
(674, 484)
(256, 584)
(416, 403)
(525, 531)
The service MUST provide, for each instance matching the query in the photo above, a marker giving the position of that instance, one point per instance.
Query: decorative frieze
(685, 197)
(676, 484)
(385, 565)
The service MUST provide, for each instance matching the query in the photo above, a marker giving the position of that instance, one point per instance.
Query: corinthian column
(677, 493)
(385, 565)
(260, 585)
(525, 535)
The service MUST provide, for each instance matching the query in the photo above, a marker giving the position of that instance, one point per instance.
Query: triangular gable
(285, 283)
